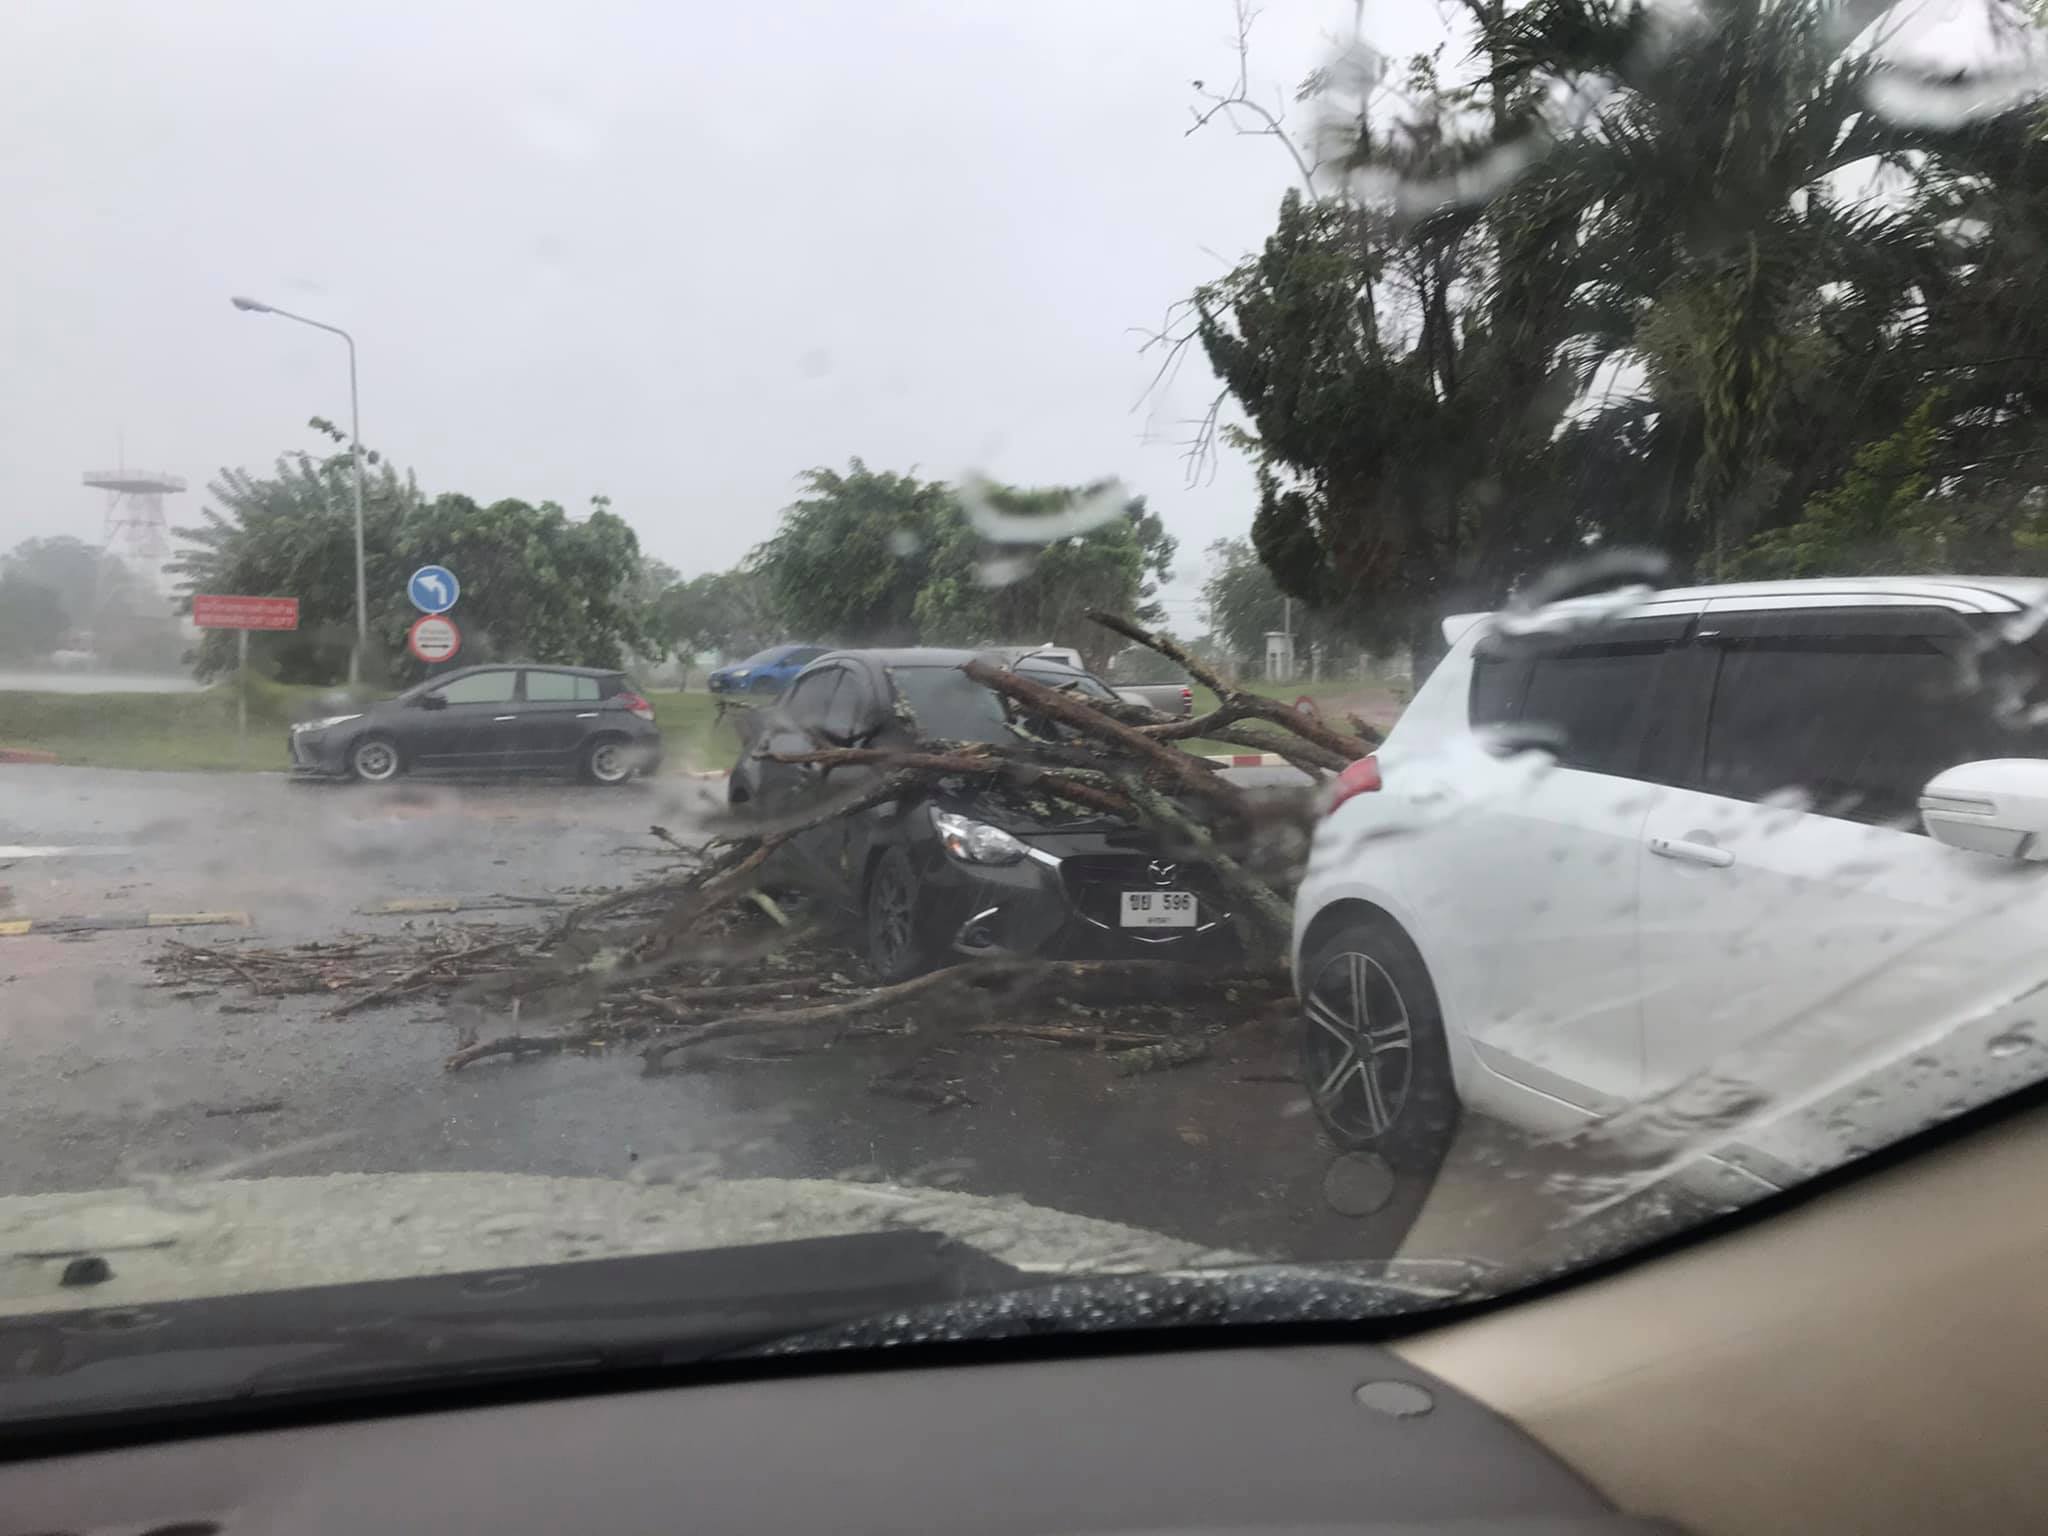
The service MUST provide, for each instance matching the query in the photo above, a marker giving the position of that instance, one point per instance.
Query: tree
(291, 534)
(1245, 604)
(101, 603)
(1725, 251)
(994, 580)
(69, 568)
(1636, 280)
(1879, 520)
(535, 585)
(1404, 373)
(852, 553)
(32, 619)
(728, 613)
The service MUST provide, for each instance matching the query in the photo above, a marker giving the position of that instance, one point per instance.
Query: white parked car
(1693, 874)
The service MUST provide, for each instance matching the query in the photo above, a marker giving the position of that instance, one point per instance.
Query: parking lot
(117, 1078)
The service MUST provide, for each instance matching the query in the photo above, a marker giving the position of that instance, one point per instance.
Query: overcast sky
(673, 252)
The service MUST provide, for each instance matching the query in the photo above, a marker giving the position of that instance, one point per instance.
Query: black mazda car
(969, 870)
(490, 719)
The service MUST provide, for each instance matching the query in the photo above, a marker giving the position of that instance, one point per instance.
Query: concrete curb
(34, 755)
(1248, 759)
(14, 928)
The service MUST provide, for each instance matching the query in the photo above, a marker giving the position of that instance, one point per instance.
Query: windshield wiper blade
(649, 1310)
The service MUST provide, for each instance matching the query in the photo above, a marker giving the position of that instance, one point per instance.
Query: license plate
(1159, 909)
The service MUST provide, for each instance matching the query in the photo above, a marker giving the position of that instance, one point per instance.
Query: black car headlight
(975, 842)
(309, 727)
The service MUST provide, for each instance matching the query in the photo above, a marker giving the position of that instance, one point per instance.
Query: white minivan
(1694, 872)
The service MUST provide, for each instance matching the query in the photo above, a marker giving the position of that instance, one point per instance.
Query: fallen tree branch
(824, 1013)
(421, 974)
(679, 1005)
(1232, 703)
(1305, 755)
(1265, 908)
(1174, 766)
(1023, 773)
(1163, 1056)
(711, 1027)
(1069, 1034)
(546, 1045)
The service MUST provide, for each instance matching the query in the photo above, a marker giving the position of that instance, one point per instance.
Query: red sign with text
(433, 637)
(245, 612)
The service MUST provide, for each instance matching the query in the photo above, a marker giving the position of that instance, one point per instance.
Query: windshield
(950, 706)
(1559, 486)
(1078, 682)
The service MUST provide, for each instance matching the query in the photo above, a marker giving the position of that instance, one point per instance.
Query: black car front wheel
(896, 952)
(375, 760)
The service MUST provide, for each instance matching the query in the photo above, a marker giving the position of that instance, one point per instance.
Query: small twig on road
(1068, 1034)
(421, 975)
(1163, 1057)
(668, 837)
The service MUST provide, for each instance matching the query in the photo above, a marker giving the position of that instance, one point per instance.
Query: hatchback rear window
(1586, 699)
(560, 687)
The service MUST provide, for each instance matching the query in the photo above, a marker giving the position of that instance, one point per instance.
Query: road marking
(14, 928)
(57, 850)
(399, 905)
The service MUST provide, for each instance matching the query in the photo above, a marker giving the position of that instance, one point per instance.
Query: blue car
(765, 672)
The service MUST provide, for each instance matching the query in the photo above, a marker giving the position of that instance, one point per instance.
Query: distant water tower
(135, 514)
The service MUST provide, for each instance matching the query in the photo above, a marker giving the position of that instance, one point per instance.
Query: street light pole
(355, 449)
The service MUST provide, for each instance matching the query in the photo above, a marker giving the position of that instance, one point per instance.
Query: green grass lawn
(692, 737)
(153, 730)
(197, 730)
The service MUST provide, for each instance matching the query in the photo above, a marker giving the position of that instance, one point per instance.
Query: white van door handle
(1687, 852)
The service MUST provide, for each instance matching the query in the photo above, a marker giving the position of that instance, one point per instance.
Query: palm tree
(1723, 259)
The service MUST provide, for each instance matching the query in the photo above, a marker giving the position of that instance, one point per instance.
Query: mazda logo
(1162, 873)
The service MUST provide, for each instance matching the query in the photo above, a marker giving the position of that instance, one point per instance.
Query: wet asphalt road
(111, 1079)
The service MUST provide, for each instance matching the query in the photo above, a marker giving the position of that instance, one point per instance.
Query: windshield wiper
(213, 1354)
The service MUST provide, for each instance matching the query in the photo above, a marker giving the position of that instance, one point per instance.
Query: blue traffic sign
(433, 589)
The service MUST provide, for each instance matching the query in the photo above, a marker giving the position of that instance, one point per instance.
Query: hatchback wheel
(895, 952)
(1372, 1046)
(374, 760)
(608, 760)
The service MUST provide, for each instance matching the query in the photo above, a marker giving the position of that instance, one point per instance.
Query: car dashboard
(1296, 1438)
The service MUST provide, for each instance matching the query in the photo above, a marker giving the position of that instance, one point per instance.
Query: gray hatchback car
(590, 721)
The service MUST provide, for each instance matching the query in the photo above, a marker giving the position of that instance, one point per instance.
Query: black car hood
(1025, 812)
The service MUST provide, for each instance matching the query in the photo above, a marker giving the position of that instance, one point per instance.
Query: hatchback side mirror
(1999, 806)
(433, 701)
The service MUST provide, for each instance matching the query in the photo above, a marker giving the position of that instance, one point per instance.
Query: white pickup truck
(1176, 700)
